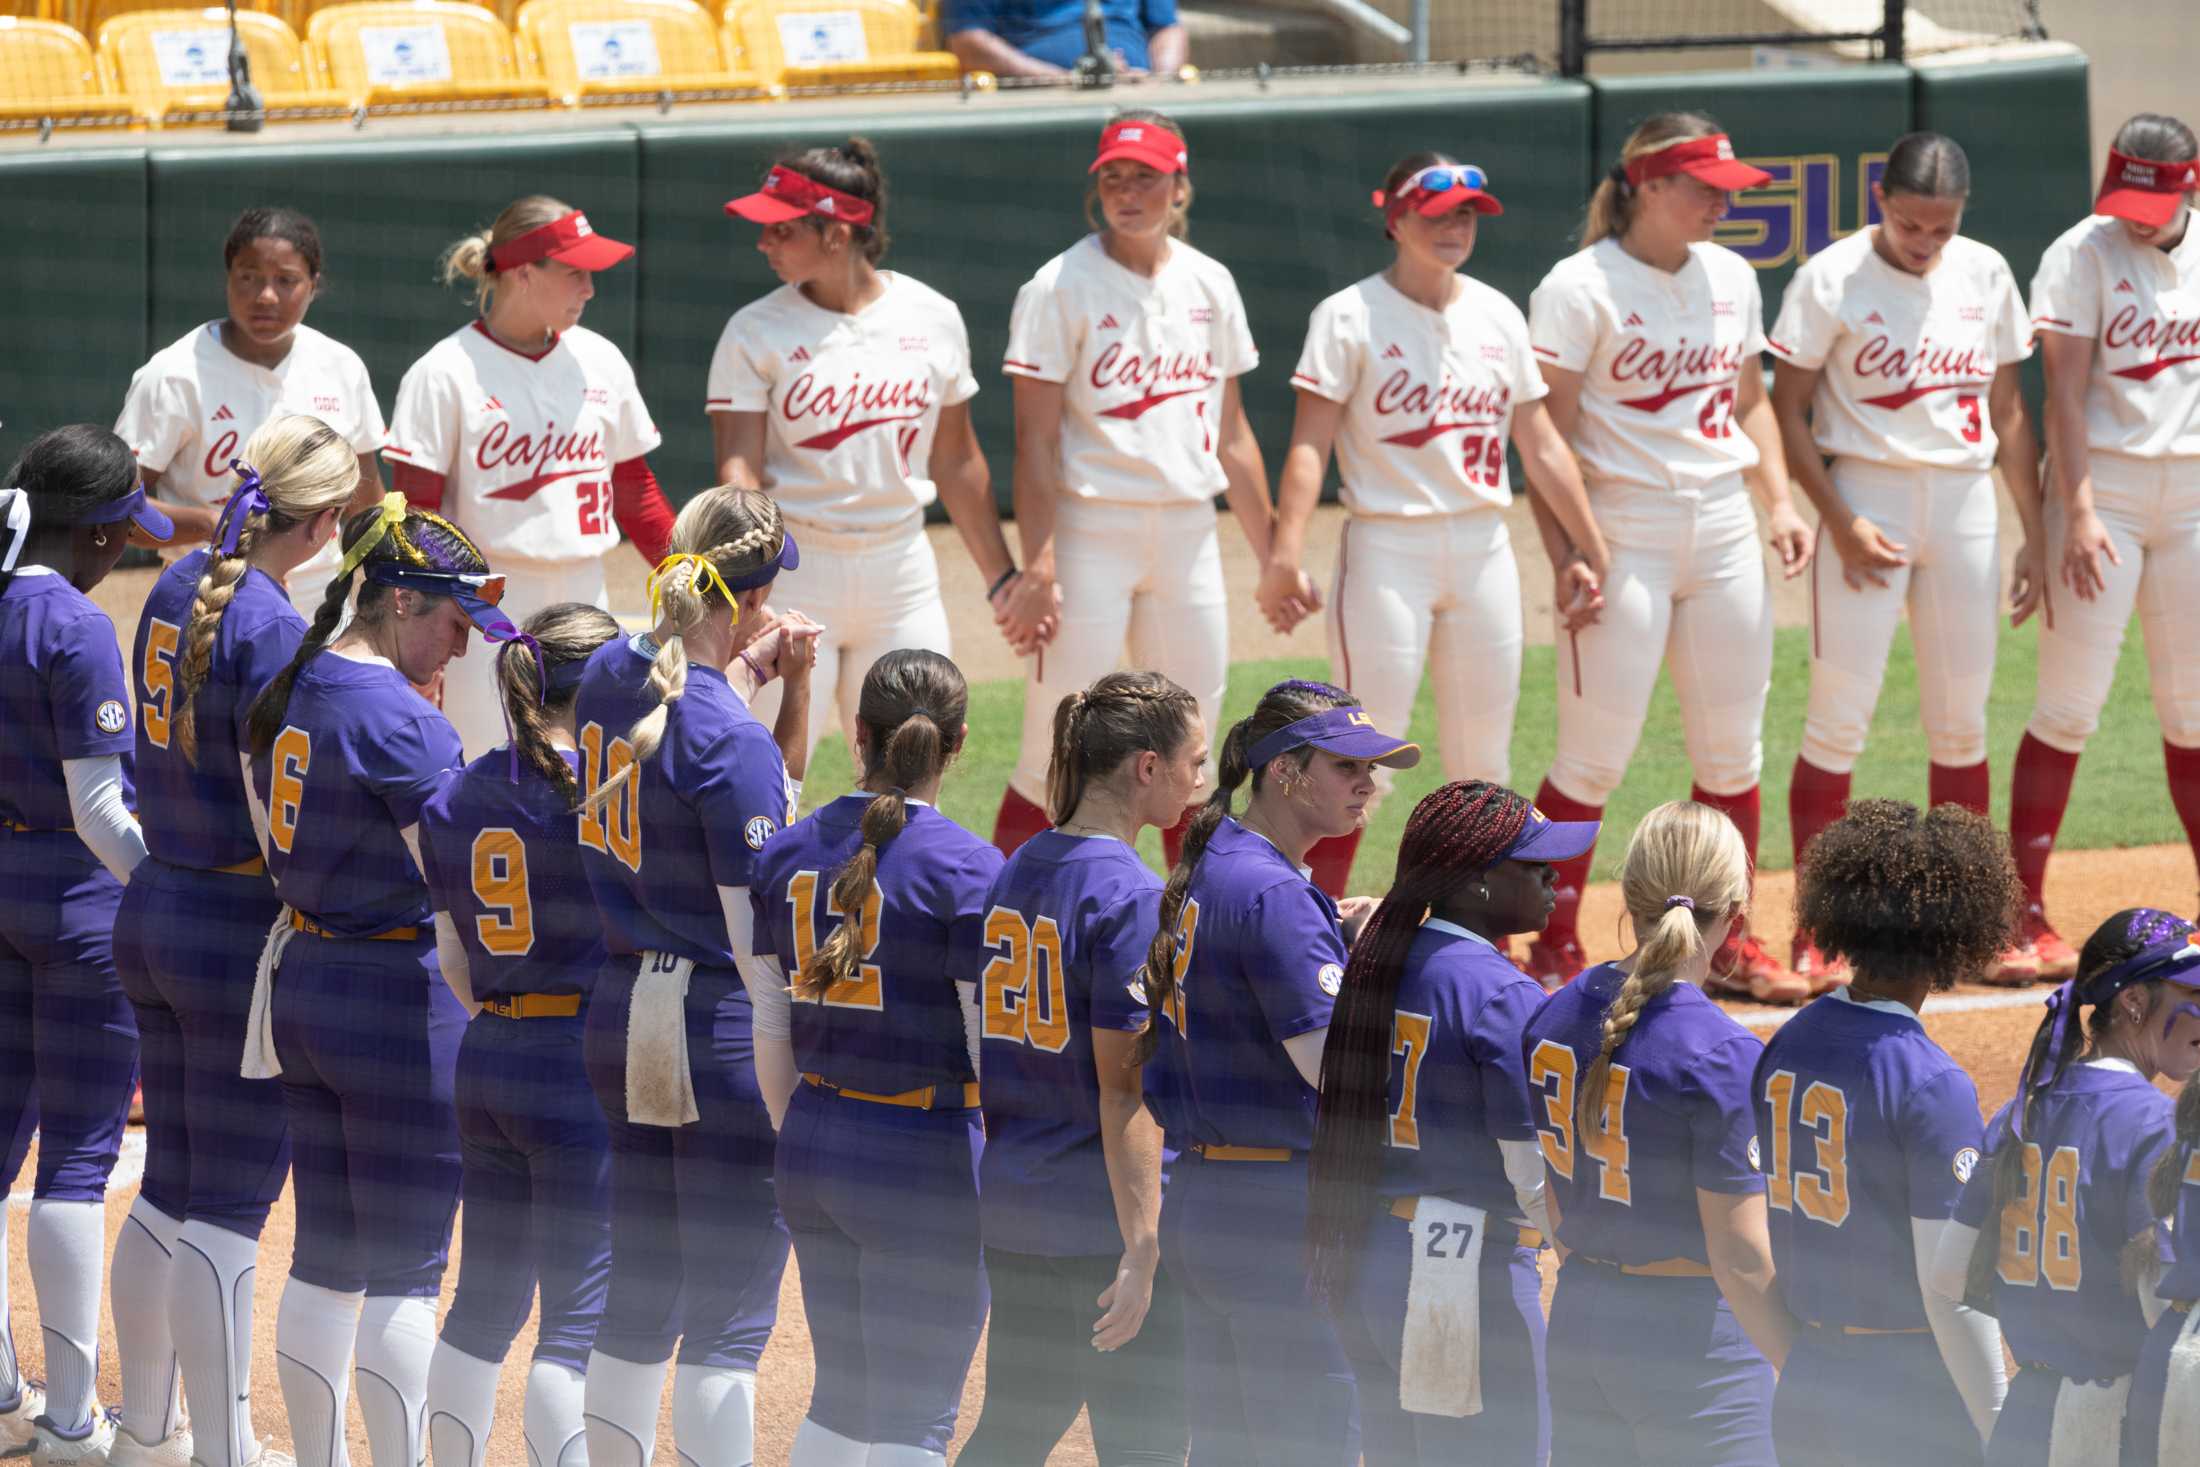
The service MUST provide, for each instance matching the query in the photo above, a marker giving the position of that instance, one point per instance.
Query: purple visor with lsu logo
(1347, 732)
(141, 512)
(1545, 839)
(478, 592)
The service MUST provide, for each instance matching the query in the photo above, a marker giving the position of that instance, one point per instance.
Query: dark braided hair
(568, 632)
(1456, 832)
(1282, 705)
(1096, 729)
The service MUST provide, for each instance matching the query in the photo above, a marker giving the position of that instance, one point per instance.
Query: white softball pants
(2151, 508)
(1440, 594)
(1946, 521)
(470, 698)
(873, 591)
(1146, 575)
(1688, 583)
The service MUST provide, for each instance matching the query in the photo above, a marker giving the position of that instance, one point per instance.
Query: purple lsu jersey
(898, 1023)
(1062, 952)
(702, 809)
(62, 687)
(1677, 1118)
(1260, 959)
(2182, 1279)
(2058, 1275)
(503, 861)
(196, 815)
(358, 755)
(1457, 1086)
(1863, 1123)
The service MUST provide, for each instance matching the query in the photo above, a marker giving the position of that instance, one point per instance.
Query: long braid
(1097, 728)
(217, 587)
(1454, 833)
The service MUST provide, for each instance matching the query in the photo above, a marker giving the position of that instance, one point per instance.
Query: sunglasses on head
(1444, 177)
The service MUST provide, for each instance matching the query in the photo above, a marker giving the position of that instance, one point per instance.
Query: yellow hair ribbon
(392, 513)
(706, 577)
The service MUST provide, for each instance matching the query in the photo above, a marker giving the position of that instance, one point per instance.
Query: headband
(2177, 959)
(247, 500)
(387, 516)
(569, 239)
(1708, 158)
(2149, 175)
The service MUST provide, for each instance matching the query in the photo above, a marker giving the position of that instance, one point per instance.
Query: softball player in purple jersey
(1070, 1188)
(519, 944)
(1245, 968)
(1427, 1206)
(2162, 1421)
(2063, 1197)
(686, 786)
(878, 1153)
(67, 843)
(1867, 1131)
(348, 1006)
(1665, 1312)
(216, 629)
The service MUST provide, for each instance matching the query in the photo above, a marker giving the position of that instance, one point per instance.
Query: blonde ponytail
(470, 258)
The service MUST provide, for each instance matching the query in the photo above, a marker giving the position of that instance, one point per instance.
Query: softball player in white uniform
(1417, 376)
(2117, 305)
(1649, 338)
(196, 402)
(1125, 350)
(846, 395)
(1897, 354)
(527, 429)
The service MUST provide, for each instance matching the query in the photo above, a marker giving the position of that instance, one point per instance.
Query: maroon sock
(1970, 786)
(1816, 798)
(1746, 810)
(1331, 860)
(2039, 790)
(2184, 788)
(1172, 839)
(1018, 821)
(1573, 876)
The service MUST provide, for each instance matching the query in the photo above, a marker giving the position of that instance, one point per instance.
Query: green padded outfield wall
(117, 249)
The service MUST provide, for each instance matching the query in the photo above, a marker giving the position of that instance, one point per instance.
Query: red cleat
(1743, 969)
(2040, 956)
(1553, 962)
(1822, 973)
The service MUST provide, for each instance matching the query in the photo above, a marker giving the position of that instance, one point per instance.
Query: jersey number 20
(1023, 989)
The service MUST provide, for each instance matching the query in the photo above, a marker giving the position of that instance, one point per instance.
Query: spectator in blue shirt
(1045, 37)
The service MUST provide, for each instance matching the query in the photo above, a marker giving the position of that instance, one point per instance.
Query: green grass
(2119, 799)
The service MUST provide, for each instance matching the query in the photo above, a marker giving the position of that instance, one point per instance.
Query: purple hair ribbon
(245, 501)
(2062, 1009)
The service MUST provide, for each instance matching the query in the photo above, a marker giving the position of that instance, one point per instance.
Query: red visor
(2145, 190)
(1142, 142)
(1710, 159)
(787, 194)
(569, 241)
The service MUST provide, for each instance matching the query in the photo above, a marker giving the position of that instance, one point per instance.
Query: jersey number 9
(614, 828)
(2039, 1227)
(1022, 986)
(157, 680)
(1821, 1195)
(866, 990)
(286, 784)
(1553, 1074)
(507, 925)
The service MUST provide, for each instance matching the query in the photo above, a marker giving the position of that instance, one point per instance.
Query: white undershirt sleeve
(1970, 1342)
(973, 1021)
(410, 835)
(1306, 1054)
(103, 819)
(252, 803)
(1524, 1169)
(450, 956)
(771, 1005)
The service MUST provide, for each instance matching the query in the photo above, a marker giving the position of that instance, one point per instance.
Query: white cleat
(173, 1450)
(267, 1456)
(17, 1423)
(49, 1446)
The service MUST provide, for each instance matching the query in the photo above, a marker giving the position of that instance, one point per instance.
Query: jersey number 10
(614, 828)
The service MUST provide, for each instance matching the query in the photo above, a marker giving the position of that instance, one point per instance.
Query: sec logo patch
(758, 831)
(1756, 1157)
(1331, 978)
(1966, 1163)
(1137, 990)
(110, 717)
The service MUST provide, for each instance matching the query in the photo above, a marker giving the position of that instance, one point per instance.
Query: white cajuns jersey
(2141, 306)
(1660, 355)
(1905, 360)
(526, 444)
(1428, 395)
(194, 405)
(850, 402)
(1142, 363)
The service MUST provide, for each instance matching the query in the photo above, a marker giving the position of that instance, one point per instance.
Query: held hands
(1287, 595)
(786, 646)
(1791, 540)
(1352, 915)
(1578, 593)
(1028, 611)
(2083, 546)
(2029, 588)
(1866, 552)
(1125, 1302)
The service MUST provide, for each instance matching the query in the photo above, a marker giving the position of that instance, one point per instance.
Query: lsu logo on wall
(1813, 200)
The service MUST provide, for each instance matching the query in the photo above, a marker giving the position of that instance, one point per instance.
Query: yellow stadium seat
(418, 55)
(89, 16)
(836, 43)
(597, 51)
(48, 74)
(172, 63)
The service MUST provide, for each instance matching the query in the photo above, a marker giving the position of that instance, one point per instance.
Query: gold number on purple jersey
(1607, 1143)
(867, 988)
(286, 784)
(1187, 931)
(1822, 1195)
(614, 828)
(1022, 985)
(1552, 1074)
(157, 680)
(2039, 1226)
(1409, 1039)
(506, 926)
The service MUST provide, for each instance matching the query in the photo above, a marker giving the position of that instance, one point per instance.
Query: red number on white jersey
(595, 506)
(1717, 418)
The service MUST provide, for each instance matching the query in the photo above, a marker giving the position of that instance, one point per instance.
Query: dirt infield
(2085, 887)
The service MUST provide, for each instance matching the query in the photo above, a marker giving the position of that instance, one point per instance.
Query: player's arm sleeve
(408, 765)
(2066, 295)
(1235, 353)
(1809, 323)
(738, 381)
(422, 488)
(450, 957)
(967, 898)
(102, 814)
(370, 432)
(1041, 341)
(1527, 383)
(770, 1004)
(962, 382)
(254, 805)
(255, 660)
(158, 418)
(424, 424)
(1530, 1183)
(1970, 1342)
(741, 798)
(1959, 1240)
(1495, 1045)
(1329, 362)
(1299, 966)
(1943, 1142)
(2012, 322)
(639, 508)
(1562, 323)
(1120, 939)
(1721, 1120)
